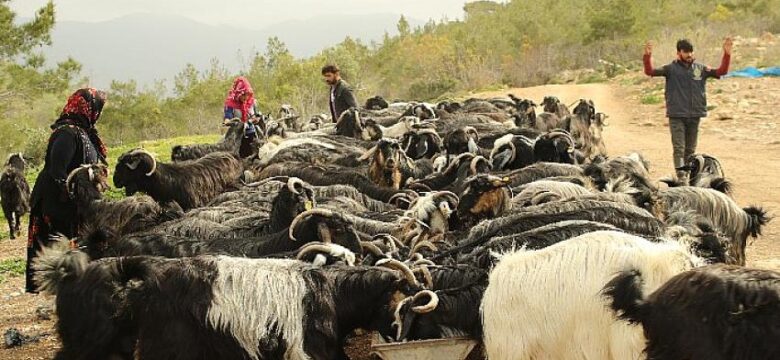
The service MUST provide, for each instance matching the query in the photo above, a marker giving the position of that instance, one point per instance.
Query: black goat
(712, 312)
(316, 225)
(422, 143)
(376, 103)
(230, 143)
(512, 152)
(459, 291)
(556, 146)
(86, 185)
(14, 193)
(331, 175)
(213, 307)
(191, 184)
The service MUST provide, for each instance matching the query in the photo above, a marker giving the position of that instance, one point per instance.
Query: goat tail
(722, 185)
(757, 218)
(58, 264)
(624, 294)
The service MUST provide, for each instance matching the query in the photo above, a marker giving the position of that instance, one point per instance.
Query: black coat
(69, 147)
(341, 99)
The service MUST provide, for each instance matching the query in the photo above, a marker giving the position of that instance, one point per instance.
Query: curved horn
(700, 159)
(371, 248)
(369, 153)
(426, 274)
(450, 196)
(291, 182)
(143, 151)
(471, 129)
(73, 174)
(424, 244)
(421, 261)
(397, 265)
(430, 306)
(314, 247)
(390, 240)
(455, 163)
(566, 135)
(305, 214)
(475, 161)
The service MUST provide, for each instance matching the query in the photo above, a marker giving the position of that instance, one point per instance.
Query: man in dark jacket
(686, 99)
(341, 96)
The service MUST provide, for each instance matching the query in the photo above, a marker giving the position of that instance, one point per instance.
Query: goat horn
(143, 151)
(566, 135)
(397, 265)
(314, 247)
(372, 248)
(421, 261)
(468, 129)
(700, 165)
(424, 244)
(475, 161)
(305, 214)
(457, 161)
(368, 154)
(423, 269)
(450, 195)
(291, 185)
(430, 306)
(392, 240)
(72, 174)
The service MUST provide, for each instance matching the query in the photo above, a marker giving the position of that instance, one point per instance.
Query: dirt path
(753, 168)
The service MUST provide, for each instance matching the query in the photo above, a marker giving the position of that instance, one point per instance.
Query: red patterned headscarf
(83, 109)
(241, 87)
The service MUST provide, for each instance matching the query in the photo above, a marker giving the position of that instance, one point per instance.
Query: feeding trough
(451, 348)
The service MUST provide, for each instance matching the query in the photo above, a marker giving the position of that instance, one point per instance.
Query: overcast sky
(246, 13)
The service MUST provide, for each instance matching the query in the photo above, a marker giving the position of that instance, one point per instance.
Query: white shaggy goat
(547, 304)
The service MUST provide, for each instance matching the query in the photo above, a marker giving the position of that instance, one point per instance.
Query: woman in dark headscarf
(240, 104)
(74, 141)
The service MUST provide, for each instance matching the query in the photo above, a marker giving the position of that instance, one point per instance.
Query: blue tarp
(752, 72)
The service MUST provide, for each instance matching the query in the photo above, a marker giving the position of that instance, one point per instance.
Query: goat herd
(417, 221)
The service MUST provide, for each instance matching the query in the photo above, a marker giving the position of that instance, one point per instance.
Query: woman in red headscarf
(240, 104)
(74, 141)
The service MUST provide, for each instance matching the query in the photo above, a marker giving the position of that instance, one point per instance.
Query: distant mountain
(148, 47)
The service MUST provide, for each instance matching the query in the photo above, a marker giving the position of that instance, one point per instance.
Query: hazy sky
(246, 13)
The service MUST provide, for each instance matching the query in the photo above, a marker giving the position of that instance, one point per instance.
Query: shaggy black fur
(191, 183)
(376, 103)
(14, 193)
(714, 312)
(100, 244)
(331, 175)
(460, 289)
(230, 143)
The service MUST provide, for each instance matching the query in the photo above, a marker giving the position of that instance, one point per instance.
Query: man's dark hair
(684, 45)
(330, 69)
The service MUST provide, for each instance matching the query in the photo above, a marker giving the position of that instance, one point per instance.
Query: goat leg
(11, 228)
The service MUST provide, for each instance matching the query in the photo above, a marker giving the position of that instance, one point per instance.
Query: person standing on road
(686, 99)
(341, 96)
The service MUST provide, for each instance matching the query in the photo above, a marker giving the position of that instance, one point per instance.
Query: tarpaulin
(752, 72)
